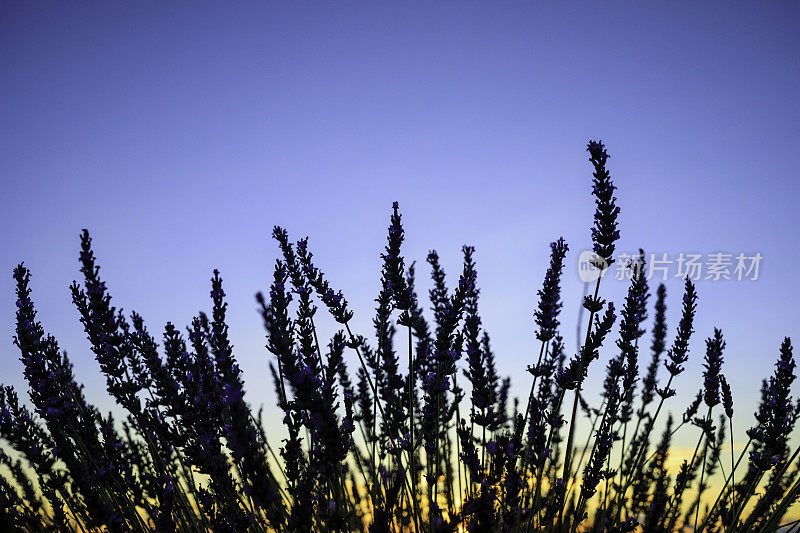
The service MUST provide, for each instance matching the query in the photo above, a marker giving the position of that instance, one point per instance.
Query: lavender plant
(423, 436)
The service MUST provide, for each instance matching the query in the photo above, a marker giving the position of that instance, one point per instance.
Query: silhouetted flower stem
(774, 487)
(700, 487)
(742, 502)
(650, 381)
(727, 402)
(412, 452)
(571, 435)
(677, 356)
(402, 295)
(728, 481)
(604, 237)
(595, 420)
(788, 500)
(546, 316)
(682, 481)
(337, 305)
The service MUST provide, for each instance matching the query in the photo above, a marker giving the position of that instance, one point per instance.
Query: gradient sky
(180, 133)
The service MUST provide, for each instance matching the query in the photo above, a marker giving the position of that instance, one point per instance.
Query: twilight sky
(180, 133)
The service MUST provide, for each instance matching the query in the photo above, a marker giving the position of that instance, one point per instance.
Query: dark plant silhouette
(423, 434)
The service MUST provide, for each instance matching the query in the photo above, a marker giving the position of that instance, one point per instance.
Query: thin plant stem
(571, 435)
(702, 473)
(412, 461)
(724, 486)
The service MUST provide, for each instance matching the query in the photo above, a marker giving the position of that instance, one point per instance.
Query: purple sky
(180, 134)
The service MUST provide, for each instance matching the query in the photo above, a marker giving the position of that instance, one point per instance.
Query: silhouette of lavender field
(421, 435)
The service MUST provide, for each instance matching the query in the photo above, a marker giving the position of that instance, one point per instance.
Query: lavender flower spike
(604, 232)
(678, 354)
(546, 316)
(713, 364)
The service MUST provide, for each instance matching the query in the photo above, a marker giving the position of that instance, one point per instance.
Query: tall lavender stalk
(546, 315)
(604, 237)
(402, 296)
